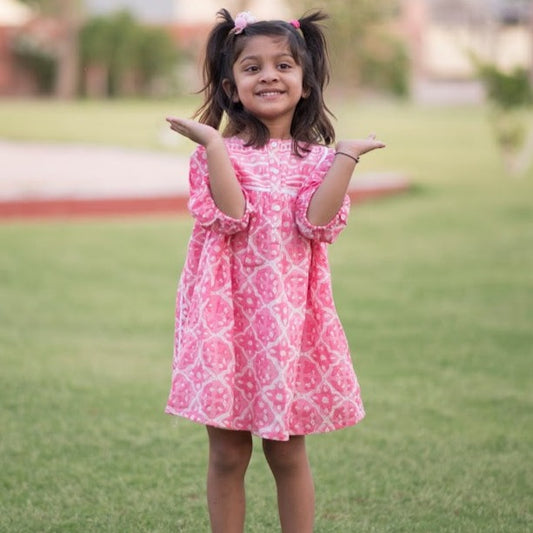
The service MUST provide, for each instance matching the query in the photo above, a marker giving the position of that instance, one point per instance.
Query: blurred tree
(510, 95)
(128, 56)
(364, 50)
(69, 13)
(37, 59)
(157, 57)
(123, 37)
(506, 89)
(95, 50)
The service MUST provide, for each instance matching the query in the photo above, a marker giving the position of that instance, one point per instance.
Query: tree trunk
(66, 85)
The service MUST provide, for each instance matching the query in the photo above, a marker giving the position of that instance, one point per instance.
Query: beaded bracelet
(356, 159)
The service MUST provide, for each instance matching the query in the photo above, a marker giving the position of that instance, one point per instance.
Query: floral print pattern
(258, 342)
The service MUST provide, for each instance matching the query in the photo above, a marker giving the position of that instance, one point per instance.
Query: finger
(175, 121)
(379, 144)
(176, 127)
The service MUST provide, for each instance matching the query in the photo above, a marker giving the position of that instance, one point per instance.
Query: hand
(196, 131)
(357, 147)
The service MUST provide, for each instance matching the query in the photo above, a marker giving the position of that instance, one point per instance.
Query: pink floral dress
(258, 342)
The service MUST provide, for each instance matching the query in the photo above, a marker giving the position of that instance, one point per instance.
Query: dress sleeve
(330, 231)
(201, 204)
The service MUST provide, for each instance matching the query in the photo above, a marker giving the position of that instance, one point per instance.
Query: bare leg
(229, 456)
(296, 494)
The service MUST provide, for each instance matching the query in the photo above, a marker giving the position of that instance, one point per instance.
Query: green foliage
(510, 94)
(64, 9)
(386, 67)
(509, 128)
(95, 38)
(38, 60)
(364, 50)
(45, 5)
(156, 54)
(125, 48)
(506, 89)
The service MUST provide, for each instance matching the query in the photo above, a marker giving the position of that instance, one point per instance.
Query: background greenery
(434, 288)
(139, 59)
(366, 50)
(122, 48)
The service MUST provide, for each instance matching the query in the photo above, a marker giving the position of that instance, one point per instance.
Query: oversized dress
(258, 342)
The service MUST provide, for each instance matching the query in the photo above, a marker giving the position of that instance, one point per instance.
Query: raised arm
(328, 198)
(225, 187)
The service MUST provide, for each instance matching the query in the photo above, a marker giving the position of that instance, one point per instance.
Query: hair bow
(242, 20)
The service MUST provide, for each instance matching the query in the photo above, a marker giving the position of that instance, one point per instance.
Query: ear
(306, 92)
(230, 91)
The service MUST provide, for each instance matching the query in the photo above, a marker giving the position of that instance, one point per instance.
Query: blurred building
(13, 15)
(445, 35)
(441, 36)
(23, 30)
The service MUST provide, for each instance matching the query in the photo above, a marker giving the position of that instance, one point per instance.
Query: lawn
(434, 288)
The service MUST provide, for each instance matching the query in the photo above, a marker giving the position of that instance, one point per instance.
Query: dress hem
(261, 434)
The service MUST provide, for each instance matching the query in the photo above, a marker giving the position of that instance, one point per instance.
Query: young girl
(259, 348)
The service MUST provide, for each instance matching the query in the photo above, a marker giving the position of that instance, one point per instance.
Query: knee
(285, 456)
(227, 455)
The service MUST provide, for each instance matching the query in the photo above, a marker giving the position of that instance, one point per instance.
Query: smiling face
(268, 82)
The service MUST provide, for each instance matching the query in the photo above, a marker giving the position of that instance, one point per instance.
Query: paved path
(39, 179)
(34, 171)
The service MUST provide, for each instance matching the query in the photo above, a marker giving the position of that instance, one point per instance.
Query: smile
(269, 93)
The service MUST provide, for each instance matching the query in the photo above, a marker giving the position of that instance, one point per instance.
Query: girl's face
(268, 82)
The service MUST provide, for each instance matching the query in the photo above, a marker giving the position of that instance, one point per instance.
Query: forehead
(264, 45)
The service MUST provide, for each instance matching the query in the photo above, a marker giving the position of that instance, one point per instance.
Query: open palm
(196, 131)
(358, 147)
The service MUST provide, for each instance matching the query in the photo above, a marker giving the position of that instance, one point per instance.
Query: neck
(274, 133)
(279, 131)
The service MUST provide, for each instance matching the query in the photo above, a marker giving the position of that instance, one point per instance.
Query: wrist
(215, 143)
(347, 148)
(347, 155)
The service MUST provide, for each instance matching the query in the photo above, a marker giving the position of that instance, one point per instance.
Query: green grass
(133, 124)
(434, 288)
(428, 132)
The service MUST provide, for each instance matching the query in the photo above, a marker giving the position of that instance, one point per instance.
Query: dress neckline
(279, 144)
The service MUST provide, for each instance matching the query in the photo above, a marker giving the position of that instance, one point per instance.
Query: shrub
(133, 56)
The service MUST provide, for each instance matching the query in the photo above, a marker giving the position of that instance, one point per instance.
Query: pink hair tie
(242, 20)
(295, 23)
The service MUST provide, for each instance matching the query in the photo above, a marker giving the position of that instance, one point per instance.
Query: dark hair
(308, 46)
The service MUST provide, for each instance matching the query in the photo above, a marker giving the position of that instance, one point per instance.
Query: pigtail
(216, 101)
(316, 45)
(312, 111)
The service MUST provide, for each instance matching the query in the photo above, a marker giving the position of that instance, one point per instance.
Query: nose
(269, 74)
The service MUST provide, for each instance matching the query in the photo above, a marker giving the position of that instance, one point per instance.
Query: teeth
(270, 93)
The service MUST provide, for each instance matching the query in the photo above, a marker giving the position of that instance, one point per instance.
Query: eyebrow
(255, 58)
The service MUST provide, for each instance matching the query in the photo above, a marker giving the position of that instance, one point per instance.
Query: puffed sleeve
(330, 231)
(201, 204)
